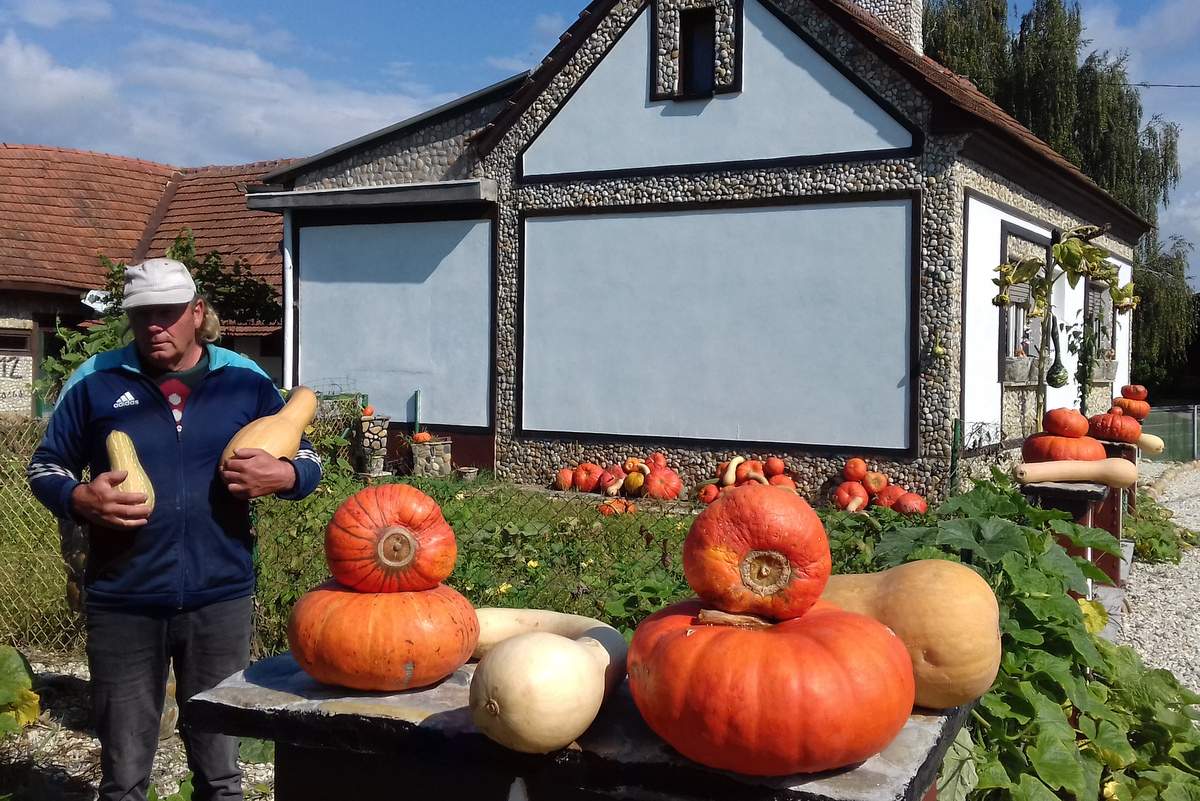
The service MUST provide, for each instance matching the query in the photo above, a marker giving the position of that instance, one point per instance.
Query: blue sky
(221, 82)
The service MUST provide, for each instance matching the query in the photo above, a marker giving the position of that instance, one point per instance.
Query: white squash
(542, 676)
(1151, 444)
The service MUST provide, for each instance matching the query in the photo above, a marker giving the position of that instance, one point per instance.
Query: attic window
(697, 52)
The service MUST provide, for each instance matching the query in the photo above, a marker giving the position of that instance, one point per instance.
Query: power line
(1149, 85)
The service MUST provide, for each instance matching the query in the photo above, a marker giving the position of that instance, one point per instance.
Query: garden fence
(1179, 428)
(517, 545)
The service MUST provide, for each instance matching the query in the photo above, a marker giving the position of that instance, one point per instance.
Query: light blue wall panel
(782, 324)
(793, 103)
(387, 309)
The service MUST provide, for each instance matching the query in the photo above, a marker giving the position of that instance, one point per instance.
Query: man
(172, 585)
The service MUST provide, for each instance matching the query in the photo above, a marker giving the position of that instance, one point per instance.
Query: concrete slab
(274, 699)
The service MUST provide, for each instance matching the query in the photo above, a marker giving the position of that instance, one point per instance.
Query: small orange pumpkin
(1134, 392)
(1115, 428)
(746, 471)
(758, 550)
(1065, 422)
(888, 496)
(390, 538)
(617, 506)
(708, 493)
(774, 466)
(662, 484)
(854, 470)
(781, 480)
(910, 503)
(587, 477)
(564, 479)
(422, 436)
(851, 496)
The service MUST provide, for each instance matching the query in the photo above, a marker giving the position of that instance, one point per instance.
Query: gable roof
(998, 140)
(61, 209)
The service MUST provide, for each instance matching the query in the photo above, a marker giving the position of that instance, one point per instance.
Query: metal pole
(1194, 434)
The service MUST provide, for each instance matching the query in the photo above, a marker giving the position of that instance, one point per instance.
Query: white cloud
(52, 13)
(544, 32)
(45, 102)
(192, 18)
(197, 104)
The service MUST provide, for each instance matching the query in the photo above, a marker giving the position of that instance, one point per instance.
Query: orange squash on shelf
(422, 436)
(417, 638)
(833, 687)
(1115, 427)
(758, 550)
(1137, 409)
(389, 538)
(1065, 422)
(1135, 392)
(1046, 447)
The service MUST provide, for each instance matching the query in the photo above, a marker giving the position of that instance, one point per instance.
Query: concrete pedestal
(337, 743)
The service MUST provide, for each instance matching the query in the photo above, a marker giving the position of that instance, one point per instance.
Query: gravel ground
(58, 758)
(1161, 622)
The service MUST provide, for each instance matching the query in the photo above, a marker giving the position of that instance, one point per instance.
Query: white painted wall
(793, 103)
(981, 323)
(781, 324)
(981, 385)
(1124, 340)
(388, 309)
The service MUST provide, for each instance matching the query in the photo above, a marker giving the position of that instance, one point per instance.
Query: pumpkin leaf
(991, 775)
(1030, 789)
(1095, 616)
(27, 708)
(959, 533)
(958, 776)
(15, 676)
(1112, 745)
(1058, 562)
(1057, 762)
(1085, 537)
(8, 724)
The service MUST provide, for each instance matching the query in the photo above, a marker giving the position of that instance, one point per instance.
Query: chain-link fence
(517, 545)
(1179, 428)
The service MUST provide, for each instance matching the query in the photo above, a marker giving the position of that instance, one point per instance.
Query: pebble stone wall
(905, 17)
(667, 36)
(437, 152)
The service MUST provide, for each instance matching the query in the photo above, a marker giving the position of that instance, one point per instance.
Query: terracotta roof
(959, 105)
(61, 209)
(211, 201)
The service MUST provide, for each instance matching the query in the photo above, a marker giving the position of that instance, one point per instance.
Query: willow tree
(1089, 112)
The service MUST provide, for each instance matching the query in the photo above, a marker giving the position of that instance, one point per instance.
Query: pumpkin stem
(716, 617)
(765, 572)
(397, 547)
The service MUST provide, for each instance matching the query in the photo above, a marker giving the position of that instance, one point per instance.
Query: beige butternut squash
(542, 676)
(1114, 472)
(1151, 444)
(277, 434)
(123, 456)
(945, 614)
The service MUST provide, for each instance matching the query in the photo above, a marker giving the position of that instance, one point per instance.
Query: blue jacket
(196, 547)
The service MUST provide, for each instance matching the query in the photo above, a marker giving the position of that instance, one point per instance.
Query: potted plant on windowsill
(1019, 370)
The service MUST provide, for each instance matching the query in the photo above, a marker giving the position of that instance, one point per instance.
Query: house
(60, 210)
(707, 227)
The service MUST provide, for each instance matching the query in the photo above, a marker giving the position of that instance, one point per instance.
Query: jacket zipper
(179, 439)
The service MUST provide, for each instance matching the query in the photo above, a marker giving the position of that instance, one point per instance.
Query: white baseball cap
(158, 282)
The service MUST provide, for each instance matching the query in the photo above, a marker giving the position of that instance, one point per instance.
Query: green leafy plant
(256, 752)
(1070, 715)
(1156, 536)
(184, 793)
(19, 704)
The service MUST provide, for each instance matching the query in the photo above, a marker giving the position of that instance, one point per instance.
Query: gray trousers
(129, 655)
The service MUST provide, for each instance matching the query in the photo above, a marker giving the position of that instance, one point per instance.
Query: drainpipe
(289, 366)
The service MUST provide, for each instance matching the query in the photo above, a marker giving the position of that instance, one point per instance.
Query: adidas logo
(125, 400)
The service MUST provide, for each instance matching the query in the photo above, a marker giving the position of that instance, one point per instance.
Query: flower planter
(432, 458)
(1020, 370)
(1104, 371)
(467, 473)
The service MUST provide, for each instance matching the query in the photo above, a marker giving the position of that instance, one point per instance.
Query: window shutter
(1019, 293)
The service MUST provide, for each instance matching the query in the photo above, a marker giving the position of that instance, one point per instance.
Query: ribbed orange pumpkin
(662, 484)
(1115, 427)
(1053, 448)
(758, 550)
(390, 538)
(819, 692)
(382, 641)
(1065, 422)
(1137, 409)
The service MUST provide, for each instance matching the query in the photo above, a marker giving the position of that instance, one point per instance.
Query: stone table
(337, 743)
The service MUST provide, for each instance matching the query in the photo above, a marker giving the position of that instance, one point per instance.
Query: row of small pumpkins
(862, 487)
(633, 478)
(739, 471)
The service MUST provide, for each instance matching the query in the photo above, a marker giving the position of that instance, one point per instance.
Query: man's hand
(100, 502)
(252, 473)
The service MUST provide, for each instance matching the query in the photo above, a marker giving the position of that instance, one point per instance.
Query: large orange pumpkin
(1065, 422)
(1137, 409)
(1115, 427)
(1052, 448)
(855, 469)
(587, 477)
(382, 641)
(815, 693)
(758, 550)
(390, 538)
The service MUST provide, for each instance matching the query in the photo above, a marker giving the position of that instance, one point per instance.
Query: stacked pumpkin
(843, 684)
(633, 478)
(389, 549)
(1064, 451)
(862, 486)
(834, 687)
(739, 471)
